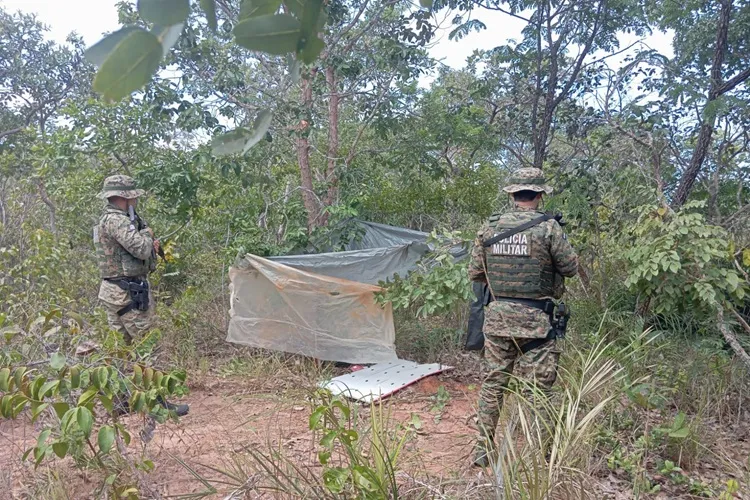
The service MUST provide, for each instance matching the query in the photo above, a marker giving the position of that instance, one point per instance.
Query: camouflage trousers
(132, 325)
(502, 354)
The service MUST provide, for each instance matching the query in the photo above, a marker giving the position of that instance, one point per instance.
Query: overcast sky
(91, 18)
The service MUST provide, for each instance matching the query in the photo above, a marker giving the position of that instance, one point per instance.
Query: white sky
(91, 18)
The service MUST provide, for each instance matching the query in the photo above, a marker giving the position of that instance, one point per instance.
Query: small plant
(440, 400)
(367, 461)
(436, 286)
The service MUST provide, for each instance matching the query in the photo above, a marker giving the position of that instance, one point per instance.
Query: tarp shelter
(323, 305)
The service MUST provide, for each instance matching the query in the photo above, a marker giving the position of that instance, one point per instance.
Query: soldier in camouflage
(126, 252)
(531, 266)
(123, 252)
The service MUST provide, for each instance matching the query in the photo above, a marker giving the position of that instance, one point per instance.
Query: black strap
(518, 229)
(545, 305)
(127, 309)
(528, 346)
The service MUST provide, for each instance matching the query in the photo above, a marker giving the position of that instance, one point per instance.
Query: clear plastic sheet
(277, 307)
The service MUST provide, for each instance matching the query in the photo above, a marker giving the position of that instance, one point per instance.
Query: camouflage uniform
(530, 265)
(123, 251)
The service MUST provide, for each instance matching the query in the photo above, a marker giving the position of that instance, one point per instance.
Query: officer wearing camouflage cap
(126, 252)
(525, 274)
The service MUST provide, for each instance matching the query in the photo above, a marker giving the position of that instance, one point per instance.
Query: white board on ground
(381, 380)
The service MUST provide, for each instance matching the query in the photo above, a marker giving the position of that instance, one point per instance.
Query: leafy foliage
(680, 262)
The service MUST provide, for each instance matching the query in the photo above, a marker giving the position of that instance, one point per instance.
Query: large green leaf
(231, 142)
(312, 49)
(273, 34)
(209, 8)
(57, 362)
(85, 420)
(106, 438)
(164, 12)
(260, 127)
(4, 379)
(255, 8)
(130, 66)
(168, 35)
(98, 53)
(310, 17)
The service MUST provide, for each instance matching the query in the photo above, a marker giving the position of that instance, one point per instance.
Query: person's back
(524, 272)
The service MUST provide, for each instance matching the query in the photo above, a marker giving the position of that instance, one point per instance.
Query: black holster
(138, 292)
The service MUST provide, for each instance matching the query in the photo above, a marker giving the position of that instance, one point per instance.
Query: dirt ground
(227, 417)
(231, 416)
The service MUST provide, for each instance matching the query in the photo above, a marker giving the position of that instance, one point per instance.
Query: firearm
(137, 223)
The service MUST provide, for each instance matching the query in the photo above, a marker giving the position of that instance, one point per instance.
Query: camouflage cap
(120, 185)
(528, 179)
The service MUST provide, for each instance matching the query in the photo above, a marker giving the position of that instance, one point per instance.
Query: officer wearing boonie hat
(126, 253)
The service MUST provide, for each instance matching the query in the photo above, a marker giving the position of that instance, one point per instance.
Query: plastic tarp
(378, 254)
(277, 307)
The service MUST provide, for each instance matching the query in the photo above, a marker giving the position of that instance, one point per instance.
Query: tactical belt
(547, 307)
(137, 291)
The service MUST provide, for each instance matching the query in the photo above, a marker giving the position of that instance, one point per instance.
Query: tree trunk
(707, 128)
(333, 139)
(50, 205)
(731, 338)
(309, 199)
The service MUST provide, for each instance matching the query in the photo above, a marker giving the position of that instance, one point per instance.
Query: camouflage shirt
(121, 249)
(553, 256)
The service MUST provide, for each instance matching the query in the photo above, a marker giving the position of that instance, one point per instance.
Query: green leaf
(230, 143)
(137, 375)
(48, 387)
(75, 377)
(4, 379)
(18, 376)
(85, 420)
(746, 257)
(61, 409)
(60, 448)
(427, 4)
(67, 419)
(680, 433)
(296, 7)
(87, 396)
(106, 438)
(324, 457)
(310, 17)
(37, 410)
(209, 8)
(130, 66)
(256, 8)
(98, 53)
(164, 12)
(107, 403)
(6, 406)
(168, 36)
(312, 49)
(276, 34)
(328, 439)
(315, 417)
(124, 434)
(260, 127)
(43, 437)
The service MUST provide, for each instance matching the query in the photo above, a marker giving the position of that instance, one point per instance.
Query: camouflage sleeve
(138, 244)
(564, 257)
(477, 264)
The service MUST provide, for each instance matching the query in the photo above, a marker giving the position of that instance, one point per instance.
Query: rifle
(137, 222)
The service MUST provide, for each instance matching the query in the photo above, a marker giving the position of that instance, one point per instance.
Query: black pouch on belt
(138, 292)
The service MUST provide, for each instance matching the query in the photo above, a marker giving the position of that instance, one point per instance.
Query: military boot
(180, 410)
(482, 450)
